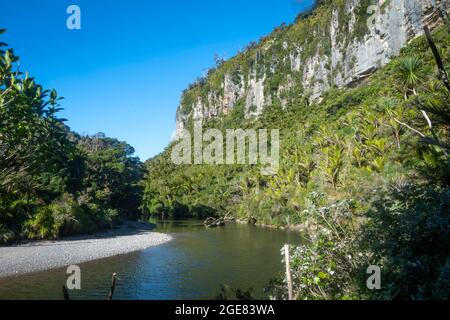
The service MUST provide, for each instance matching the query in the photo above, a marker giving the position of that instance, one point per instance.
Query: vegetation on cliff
(364, 172)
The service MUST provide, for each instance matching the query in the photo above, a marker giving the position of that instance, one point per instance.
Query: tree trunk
(442, 73)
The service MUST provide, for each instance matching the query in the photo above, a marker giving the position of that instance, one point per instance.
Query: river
(192, 266)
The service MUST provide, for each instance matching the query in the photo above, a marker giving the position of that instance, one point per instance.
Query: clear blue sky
(124, 71)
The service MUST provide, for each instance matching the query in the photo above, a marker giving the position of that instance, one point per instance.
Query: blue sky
(123, 73)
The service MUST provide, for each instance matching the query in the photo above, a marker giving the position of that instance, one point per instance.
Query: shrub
(73, 217)
(328, 266)
(6, 235)
(410, 236)
(63, 217)
(43, 225)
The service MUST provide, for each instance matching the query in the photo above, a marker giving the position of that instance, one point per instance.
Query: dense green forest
(364, 175)
(54, 182)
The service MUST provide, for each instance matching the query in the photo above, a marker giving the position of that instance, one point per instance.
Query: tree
(52, 181)
(411, 74)
(33, 140)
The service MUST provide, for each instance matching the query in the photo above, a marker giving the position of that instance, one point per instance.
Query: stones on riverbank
(45, 255)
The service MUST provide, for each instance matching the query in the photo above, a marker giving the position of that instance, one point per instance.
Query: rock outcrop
(351, 40)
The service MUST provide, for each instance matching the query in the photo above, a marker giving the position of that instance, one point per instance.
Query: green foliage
(54, 182)
(44, 225)
(410, 224)
(327, 268)
(339, 161)
(410, 73)
(270, 57)
(228, 293)
(364, 173)
(6, 235)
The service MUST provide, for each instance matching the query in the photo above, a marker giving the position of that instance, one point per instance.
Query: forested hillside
(364, 171)
(364, 120)
(54, 182)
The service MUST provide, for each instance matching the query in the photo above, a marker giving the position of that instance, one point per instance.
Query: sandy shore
(46, 255)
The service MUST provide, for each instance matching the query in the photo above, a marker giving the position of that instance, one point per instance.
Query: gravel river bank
(46, 255)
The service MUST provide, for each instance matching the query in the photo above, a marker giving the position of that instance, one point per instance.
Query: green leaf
(53, 94)
(8, 57)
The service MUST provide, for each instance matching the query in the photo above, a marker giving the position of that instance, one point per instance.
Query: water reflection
(192, 266)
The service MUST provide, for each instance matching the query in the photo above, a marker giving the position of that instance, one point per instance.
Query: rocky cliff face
(341, 43)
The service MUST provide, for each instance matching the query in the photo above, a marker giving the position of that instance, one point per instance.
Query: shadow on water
(192, 266)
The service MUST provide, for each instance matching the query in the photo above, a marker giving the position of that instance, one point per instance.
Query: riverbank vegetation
(54, 182)
(364, 173)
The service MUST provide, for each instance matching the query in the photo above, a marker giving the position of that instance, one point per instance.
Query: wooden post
(288, 272)
(113, 286)
(66, 293)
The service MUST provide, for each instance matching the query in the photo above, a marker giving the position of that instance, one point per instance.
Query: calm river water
(192, 266)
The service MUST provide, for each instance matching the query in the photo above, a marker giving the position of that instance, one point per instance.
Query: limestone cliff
(339, 44)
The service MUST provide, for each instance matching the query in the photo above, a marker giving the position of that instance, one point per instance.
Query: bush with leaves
(54, 182)
(328, 266)
(229, 293)
(6, 235)
(409, 235)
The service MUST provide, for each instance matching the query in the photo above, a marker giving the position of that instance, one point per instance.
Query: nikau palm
(411, 74)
